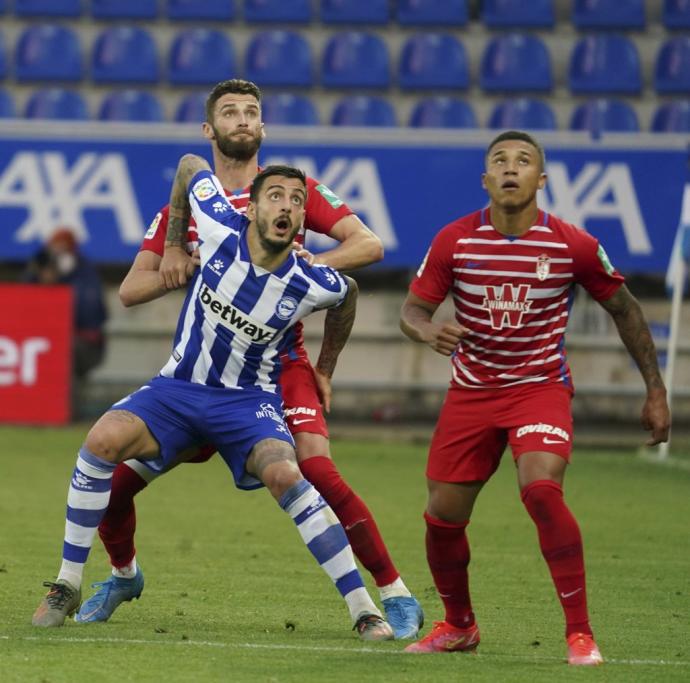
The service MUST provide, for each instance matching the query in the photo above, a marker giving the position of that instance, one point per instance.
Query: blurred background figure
(59, 262)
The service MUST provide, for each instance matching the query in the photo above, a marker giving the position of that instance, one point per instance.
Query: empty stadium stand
(56, 103)
(408, 52)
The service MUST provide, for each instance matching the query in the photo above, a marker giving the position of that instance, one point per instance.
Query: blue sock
(327, 542)
(87, 500)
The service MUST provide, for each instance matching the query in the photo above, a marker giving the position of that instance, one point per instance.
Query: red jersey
(513, 294)
(323, 210)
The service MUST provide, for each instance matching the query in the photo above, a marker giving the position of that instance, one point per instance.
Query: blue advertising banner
(107, 181)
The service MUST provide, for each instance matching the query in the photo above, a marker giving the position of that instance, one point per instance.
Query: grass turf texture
(232, 594)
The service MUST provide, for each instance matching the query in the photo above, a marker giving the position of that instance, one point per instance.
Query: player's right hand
(176, 268)
(445, 337)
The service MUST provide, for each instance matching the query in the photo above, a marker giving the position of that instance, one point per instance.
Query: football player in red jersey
(235, 131)
(511, 270)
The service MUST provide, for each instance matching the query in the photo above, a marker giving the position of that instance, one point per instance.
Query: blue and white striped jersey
(232, 326)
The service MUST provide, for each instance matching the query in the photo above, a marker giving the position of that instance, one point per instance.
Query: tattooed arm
(174, 271)
(336, 332)
(634, 332)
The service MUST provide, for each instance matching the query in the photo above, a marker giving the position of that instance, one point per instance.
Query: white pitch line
(319, 648)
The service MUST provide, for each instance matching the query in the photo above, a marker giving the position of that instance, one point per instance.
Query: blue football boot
(109, 596)
(405, 615)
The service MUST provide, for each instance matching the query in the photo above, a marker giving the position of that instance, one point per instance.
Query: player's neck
(234, 173)
(262, 257)
(515, 223)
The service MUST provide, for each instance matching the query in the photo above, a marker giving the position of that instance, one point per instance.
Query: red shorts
(301, 404)
(476, 425)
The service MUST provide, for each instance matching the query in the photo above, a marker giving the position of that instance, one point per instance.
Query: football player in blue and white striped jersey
(219, 385)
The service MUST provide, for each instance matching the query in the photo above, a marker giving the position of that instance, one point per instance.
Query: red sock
(561, 546)
(119, 523)
(448, 554)
(354, 515)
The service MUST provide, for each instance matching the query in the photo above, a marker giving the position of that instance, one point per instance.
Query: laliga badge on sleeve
(203, 189)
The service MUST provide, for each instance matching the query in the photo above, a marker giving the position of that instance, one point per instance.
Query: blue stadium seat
(363, 110)
(355, 11)
(192, 108)
(125, 54)
(355, 59)
(518, 13)
(603, 115)
(672, 117)
(281, 58)
(605, 64)
(130, 105)
(289, 109)
(7, 109)
(425, 12)
(443, 112)
(208, 10)
(199, 55)
(676, 14)
(47, 8)
(293, 12)
(124, 9)
(433, 60)
(48, 52)
(672, 72)
(56, 103)
(609, 14)
(523, 114)
(516, 62)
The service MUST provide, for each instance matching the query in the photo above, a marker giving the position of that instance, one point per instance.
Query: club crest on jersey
(286, 307)
(204, 189)
(506, 305)
(543, 267)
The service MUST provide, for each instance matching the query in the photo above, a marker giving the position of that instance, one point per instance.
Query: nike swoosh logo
(570, 595)
(299, 422)
(547, 440)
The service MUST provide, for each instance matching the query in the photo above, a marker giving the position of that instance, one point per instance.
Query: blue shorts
(180, 414)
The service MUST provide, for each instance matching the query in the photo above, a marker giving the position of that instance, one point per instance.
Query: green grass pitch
(232, 594)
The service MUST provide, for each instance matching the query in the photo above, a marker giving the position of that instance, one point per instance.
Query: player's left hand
(656, 417)
(325, 389)
(174, 271)
(303, 253)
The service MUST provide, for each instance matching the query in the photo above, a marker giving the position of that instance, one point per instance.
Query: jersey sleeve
(324, 208)
(329, 286)
(154, 239)
(211, 210)
(435, 276)
(592, 268)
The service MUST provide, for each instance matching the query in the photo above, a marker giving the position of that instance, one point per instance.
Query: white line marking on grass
(322, 648)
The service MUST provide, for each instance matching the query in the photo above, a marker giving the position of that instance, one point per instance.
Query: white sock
(397, 589)
(129, 571)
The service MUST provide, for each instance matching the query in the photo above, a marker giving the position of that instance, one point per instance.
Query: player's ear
(251, 211)
(207, 130)
(263, 132)
(484, 180)
(542, 181)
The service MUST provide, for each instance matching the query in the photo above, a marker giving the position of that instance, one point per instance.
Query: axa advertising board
(404, 186)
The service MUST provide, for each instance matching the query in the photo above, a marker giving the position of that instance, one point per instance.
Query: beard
(274, 246)
(241, 150)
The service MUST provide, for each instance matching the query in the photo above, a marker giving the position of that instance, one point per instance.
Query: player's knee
(103, 442)
(281, 476)
(540, 497)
